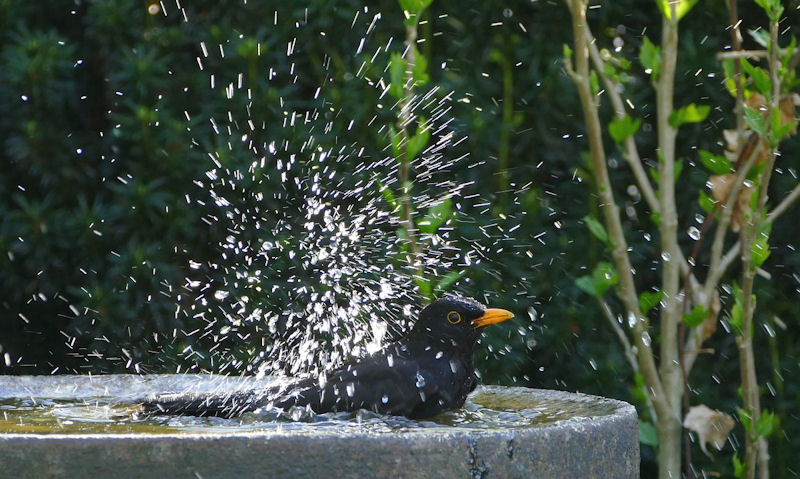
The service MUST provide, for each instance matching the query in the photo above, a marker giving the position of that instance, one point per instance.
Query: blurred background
(158, 207)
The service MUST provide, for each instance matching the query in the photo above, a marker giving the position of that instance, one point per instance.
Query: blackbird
(427, 371)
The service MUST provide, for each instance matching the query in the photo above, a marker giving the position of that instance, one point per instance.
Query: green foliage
(650, 58)
(738, 466)
(649, 299)
(397, 70)
(766, 424)
(603, 277)
(760, 249)
(690, 113)
(772, 8)
(418, 142)
(597, 229)
(760, 79)
(716, 164)
(437, 216)
(420, 70)
(778, 129)
(623, 128)
(648, 434)
(755, 121)
(681, 7)
(413, 9)
(695, 317)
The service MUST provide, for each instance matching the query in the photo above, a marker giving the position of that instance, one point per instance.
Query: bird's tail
(230, 404)
(221, 405)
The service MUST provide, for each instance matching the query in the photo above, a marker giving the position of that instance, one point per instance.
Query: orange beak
(492, 316)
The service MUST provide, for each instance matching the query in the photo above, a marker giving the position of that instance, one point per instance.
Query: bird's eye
(453, 317)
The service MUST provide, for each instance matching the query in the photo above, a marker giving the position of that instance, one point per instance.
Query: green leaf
(655, 217)
(682, 7)
(738, 467)
(437, 215)
(778, 129)
(650, 58)
(447, 280)
(396, 140)
(413, 9)
(705, 202)
(730, 72)
(765, 425)
(745, 417)
(789, 52)
(760, 79)
(773, 8)
(690, 113)
(388, 196)
(414, 6)
(603, 277)
(586, 284)
(596, 228)
(567, 52)
(397, 71)
(717, 164)
(761, 36)
(695, 317)
(623, 128)
(424, 286)
(594, 82)
(754, 120)
(648, 434)
(760, 249)
(654, 174)
(420, 70)
(677, 170)
(418, 142)
(648, 300)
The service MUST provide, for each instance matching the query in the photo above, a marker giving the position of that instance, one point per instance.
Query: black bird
(428, 371)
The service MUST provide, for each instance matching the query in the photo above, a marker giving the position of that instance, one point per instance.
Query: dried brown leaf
(721, 186)
(711, 426)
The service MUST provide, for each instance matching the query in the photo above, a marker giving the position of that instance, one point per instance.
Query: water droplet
(220, 294)
(694, 233)
(646, 338)
(647, 237)
(385, 399)
(508, 13)
(699, 218)
(631, 319)
(351, 389)
(420, 380)
(390, 360)
(665, 256)
(453, 366)
(439, 355)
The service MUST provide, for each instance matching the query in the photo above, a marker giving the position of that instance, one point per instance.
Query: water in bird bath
(111, 404)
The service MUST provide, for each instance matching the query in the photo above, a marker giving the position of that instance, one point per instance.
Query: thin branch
(627, 288)
(739, 54)
(627, 349)
(631, 151)
(784, 205)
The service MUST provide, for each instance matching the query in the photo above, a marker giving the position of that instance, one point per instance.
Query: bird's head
(457, 319)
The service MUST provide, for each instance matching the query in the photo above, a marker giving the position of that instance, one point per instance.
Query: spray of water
(310, 271)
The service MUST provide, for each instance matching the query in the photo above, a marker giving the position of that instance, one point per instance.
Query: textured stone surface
(596, 447)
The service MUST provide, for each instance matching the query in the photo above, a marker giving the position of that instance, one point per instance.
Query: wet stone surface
(75, 426)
